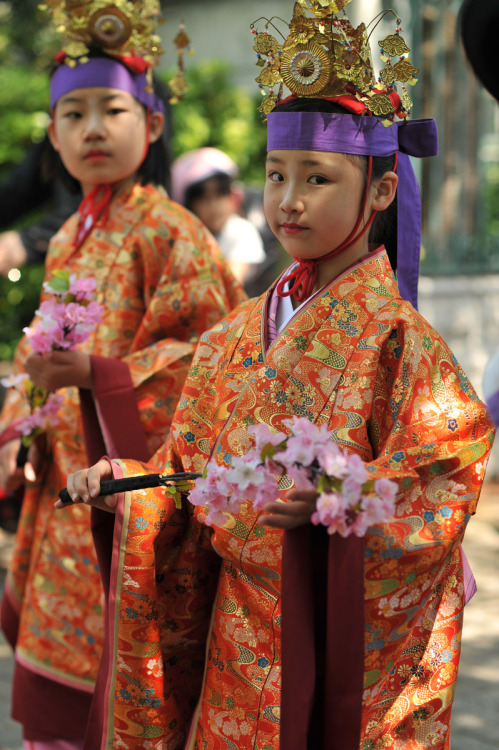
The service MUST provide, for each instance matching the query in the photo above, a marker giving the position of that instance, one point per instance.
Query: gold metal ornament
(305, 69)
(404, 70)
(265, 44)
(380, 105)
(321, 54)
(124, 27)
(394, 45)
(269, 76)
(109, 28)
(406, 101)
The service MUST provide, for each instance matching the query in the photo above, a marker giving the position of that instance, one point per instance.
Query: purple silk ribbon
(102, 71)
(366, 136)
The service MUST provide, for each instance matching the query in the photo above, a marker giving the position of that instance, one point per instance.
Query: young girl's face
(213, 207)
(312, 201)
(100, 134)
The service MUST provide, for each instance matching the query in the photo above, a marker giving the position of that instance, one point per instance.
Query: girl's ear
(383, 191)
(52, 135)
(156, 128)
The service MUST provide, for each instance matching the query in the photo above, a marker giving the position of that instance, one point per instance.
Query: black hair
(384, 227)
(197, 190)
(155, 169)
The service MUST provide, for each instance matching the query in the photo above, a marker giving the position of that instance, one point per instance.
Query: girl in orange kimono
(266, 632)
(161, 282)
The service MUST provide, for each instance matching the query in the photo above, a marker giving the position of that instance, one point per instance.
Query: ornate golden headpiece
(324, 56)
(120, 28)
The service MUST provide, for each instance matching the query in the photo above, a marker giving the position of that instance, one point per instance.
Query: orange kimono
(161, 281)
(369, 627)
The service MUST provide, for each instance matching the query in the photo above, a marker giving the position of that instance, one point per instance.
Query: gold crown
(122, 27)
(324, 56)
(119, 28)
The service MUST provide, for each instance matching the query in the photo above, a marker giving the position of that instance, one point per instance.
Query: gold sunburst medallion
(305, 69)
(109, 28)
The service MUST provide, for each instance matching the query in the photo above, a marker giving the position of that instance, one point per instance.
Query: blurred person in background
(204, 182)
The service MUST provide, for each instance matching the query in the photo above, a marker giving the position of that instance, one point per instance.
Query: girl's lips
(293, 228)
(96, 156)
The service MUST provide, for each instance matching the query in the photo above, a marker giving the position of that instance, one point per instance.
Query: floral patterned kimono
(161, 283)
(368, 627)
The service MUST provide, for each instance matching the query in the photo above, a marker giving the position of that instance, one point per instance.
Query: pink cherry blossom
(266, 493)
(357, 468)
(352, 490)
(373, 509)
(82, 289)
(243, 473)
(301, 477)
(13, 381)
(331, 510)
(333, 461)
(387, 491)
(44, 417)
(264, 436)
(307, 456)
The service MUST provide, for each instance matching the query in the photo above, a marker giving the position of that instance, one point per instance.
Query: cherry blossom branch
(349, 501)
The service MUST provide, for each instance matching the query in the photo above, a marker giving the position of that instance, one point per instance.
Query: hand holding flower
(332, 488)
(297, 512)
(59, 369)
(11, 475)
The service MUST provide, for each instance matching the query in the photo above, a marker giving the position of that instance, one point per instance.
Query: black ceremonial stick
(127, 484)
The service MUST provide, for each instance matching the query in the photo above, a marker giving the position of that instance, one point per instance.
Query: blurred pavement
(476, 706)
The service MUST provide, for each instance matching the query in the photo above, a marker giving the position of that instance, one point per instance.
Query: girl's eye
(276, 177)
(72, 115)
(318, 179)
(115, 111)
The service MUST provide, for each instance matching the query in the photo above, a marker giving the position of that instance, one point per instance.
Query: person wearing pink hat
(203, 182)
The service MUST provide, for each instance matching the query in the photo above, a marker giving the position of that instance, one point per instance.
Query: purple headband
(366, 136)
(102, 71)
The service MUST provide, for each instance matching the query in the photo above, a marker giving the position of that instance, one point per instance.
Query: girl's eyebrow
(108, 97)
(73, 99)
(70, 99)
(304, 162)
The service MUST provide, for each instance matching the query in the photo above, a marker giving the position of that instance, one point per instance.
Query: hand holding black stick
(128, 484)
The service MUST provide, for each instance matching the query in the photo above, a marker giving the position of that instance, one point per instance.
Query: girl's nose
(94, 127)
(292, 200)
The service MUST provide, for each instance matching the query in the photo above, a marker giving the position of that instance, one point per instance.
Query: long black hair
(384, 227)
(155, 169)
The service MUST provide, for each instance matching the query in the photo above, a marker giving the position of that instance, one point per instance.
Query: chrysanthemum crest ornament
(124, 29)
(324, 56)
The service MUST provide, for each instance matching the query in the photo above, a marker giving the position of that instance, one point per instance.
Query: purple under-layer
(366, 136)
(493, 407)
(102, 71)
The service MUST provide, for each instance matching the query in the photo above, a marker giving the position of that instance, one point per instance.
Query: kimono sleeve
(429, 430)
(190, 293)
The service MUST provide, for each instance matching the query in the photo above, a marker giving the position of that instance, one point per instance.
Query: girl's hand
(290, 515)
(34, 463)
(56, 370)
(84, 487)
(11, 475)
